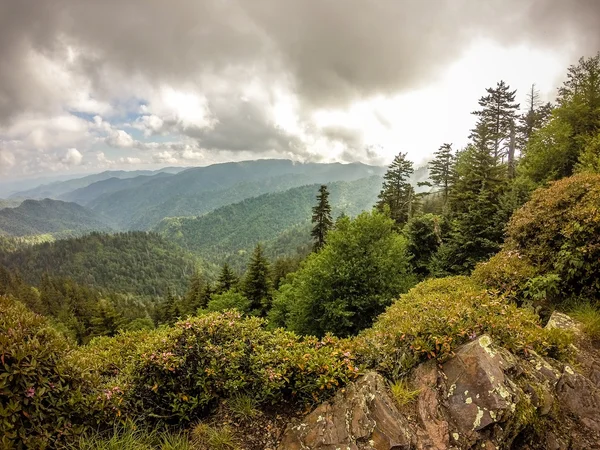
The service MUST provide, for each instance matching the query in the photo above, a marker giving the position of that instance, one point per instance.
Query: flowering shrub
(42, 399)
(438, 315)
(559, 231)
(507, 272)
(180, 375)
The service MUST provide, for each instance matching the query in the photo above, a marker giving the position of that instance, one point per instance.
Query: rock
(433, 428)
(360, 417)
(478, 394)
(580, 397)
(563, 322)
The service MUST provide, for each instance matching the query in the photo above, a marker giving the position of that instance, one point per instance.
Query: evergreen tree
(257, 285)
(227, 280)
(106, 320)
(397, 194)
(441, 169)
(168, 311)
(321, 217)
(476, 231)
(498, 115)
(198, 294)
(534, 118)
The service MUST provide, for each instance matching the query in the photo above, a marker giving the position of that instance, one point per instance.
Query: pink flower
(30, 392)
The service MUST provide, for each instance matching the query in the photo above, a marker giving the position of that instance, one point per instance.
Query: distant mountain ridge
(55, 217)
(55, 189)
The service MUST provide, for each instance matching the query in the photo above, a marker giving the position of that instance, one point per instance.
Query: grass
(214, 437)
(402, 392)
(589, 316)
(134, 439)
(243, 407)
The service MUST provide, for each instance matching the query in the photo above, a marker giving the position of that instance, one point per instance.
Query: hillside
(232, 231)
(135, 262)
(58, 188)
(87, 194)
(9, 203)
(61, 219)
(199, 190)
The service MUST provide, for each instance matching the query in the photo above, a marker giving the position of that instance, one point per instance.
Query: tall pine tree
(397, 194)
(441, 169)
(498, 114)
(227, 280)
(257, 286)
(321, 218)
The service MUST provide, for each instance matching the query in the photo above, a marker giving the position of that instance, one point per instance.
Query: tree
(497, 114)
(229, 300)
(424, 236)
(321, 217)
(198, 294)
(257, 285)
(227, 280)
(342, 288)
(533, 119)
(397, 194)
(476, 228)
(106, 321)
(441, 169)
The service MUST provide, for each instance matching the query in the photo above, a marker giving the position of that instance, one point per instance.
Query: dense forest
(314, 286)
(57, 218)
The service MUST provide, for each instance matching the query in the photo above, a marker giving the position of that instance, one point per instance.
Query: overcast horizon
(143, 84)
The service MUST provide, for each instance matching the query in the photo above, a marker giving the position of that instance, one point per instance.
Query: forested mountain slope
(34, 217)
(136, 262)
(233, 230)
(202, 189)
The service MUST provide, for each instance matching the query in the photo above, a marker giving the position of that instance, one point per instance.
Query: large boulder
(484, 397)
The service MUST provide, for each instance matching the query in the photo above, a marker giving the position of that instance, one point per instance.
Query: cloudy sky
(97, 84)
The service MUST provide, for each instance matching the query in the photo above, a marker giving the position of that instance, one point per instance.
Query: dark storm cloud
(330, 51)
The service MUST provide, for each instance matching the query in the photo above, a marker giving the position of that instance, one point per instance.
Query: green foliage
(558, 230)
(135, 262)
(131, 438)
(227, 280)
(569, 140)
(243, 407)
(397, 194)
(229, 300)
(321, 218)
(41, 397)
(349, 282)
(438, 315)
(178, 375)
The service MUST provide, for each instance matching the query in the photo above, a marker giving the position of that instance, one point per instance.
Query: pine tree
(257, 285)
(397, 194)
(106, 320)
(534, 118)
(321, 217)
(198, 294)
(441, 169)
(498, 115)
(227, 280)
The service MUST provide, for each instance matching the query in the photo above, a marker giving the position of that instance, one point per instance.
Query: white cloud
(120, 139)
(73, 157)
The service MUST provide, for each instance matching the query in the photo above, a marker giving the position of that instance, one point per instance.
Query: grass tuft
(243, 407)
(214, 437)
(589, 316)
(402, 393)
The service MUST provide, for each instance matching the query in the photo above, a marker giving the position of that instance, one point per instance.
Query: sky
(92, 85)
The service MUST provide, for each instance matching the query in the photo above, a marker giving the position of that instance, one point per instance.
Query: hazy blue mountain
(55, 189)
(34, 217)
(9, 203)
(202, 189)
(230, 232)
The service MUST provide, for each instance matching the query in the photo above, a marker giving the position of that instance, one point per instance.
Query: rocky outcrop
(484, 397)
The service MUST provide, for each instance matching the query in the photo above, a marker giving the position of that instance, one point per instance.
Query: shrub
(180, 375)
(229, 300)
(42, 399)
(438, 315)
(558, 230)
(507, 272)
